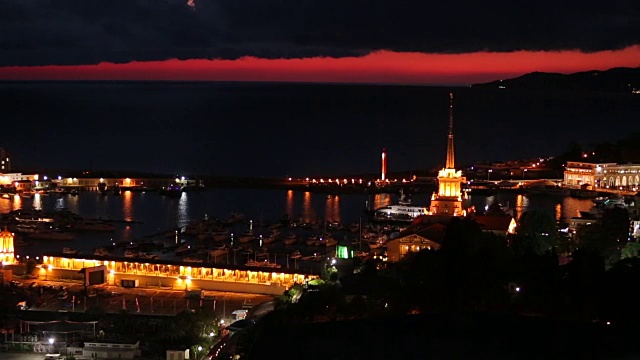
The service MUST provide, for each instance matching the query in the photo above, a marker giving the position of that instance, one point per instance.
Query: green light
(342, 252)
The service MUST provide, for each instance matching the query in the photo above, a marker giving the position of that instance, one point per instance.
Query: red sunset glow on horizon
(377, 67)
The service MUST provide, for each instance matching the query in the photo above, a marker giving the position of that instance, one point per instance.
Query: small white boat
(68, 250)
(269, 240)
(218, 252)
(92, 225)
(290, 239)
(131, 253)
(245, 238)
(101, 252)
(330, 242)
(312, 240)
(221, 235)
(51, 235)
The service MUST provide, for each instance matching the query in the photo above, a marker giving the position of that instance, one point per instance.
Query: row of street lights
(491, 170)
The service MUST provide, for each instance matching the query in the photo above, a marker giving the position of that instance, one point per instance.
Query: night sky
(269, 131)
(387, 41)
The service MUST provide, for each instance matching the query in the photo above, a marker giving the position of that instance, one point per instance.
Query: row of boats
(58, 225)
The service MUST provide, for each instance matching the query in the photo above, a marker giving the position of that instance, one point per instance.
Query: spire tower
(450, 164)
(448, 200)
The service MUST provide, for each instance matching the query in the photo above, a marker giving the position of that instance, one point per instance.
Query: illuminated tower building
(384, 165)
(448, 199)
(6, 247)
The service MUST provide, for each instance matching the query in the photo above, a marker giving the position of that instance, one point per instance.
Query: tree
(630, 251)
(495, 209)
(536, 232)
(608, 235)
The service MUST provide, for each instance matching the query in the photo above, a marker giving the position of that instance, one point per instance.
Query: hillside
(613, 80)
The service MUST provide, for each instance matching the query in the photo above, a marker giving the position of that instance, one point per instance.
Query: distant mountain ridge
(618, 80)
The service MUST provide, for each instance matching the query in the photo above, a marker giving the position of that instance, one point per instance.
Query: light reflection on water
(380, 200)
(566, 208)
(10, 204)
(289, 202)
(37, 202)
(183, 210)
(308, 213)
(154, 213)
(127, 205)
(332, 208)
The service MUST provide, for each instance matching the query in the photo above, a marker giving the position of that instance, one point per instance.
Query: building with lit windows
(5, 162)
(596, 176)
(178, 275)
(428, 237)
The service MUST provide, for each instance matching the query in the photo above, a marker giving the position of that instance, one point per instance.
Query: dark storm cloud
(41, 32)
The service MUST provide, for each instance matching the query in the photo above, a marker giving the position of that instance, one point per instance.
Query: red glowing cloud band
(377, 67)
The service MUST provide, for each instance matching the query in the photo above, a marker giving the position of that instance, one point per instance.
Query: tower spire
(450, 164)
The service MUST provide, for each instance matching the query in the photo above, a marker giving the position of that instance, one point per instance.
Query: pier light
(59, 177)
(289, 179)
(45, 177)
(51, 341)
(182, 178)
(177, 180)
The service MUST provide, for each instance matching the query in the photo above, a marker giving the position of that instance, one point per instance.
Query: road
(113, 299)
(21, 356)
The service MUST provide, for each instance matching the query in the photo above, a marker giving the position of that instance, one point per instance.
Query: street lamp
(489, 174)
(523, 172)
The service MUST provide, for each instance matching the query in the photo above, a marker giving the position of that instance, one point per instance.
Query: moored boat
(51, 234)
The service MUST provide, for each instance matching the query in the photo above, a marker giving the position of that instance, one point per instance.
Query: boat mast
(360, 227)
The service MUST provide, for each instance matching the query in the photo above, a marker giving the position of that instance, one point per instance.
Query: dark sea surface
(158, 214)
(275, 129)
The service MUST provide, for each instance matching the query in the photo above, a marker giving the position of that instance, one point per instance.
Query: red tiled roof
(493, 223)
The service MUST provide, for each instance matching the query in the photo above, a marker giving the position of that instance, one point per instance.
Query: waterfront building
(14, 179)
(178, 275)
(594, 176)
(448, 200)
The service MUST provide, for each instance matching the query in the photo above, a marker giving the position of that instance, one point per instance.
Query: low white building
(102, 350)
(178, 354)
